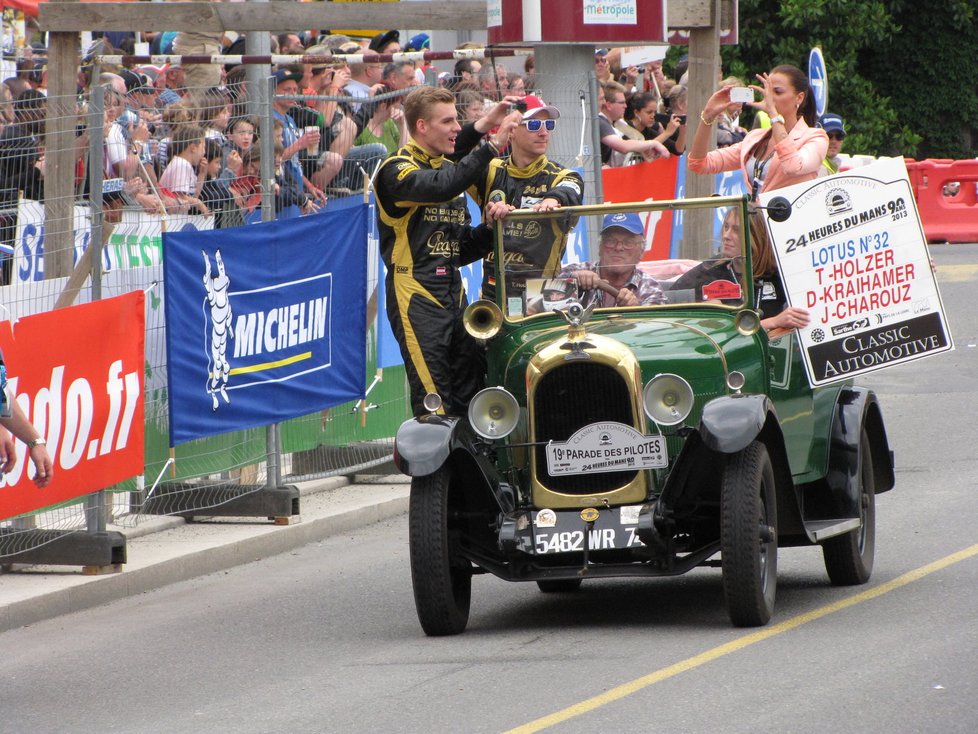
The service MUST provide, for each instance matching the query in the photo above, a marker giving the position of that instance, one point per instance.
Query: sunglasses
(835, 136)
(534, 125)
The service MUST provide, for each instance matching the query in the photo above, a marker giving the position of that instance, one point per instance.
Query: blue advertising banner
(265, 322)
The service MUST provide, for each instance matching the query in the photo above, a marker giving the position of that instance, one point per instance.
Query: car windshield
(621, 256)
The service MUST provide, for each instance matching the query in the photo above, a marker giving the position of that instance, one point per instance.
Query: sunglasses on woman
(534, 125)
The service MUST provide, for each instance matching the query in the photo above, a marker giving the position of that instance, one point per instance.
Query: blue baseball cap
(832, 123)
(419, 42)
(629, 222)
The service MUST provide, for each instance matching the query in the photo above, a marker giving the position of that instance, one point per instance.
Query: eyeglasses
(534, 125)
(622, 243)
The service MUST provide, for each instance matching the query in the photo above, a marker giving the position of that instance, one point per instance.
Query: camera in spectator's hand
(520, 106)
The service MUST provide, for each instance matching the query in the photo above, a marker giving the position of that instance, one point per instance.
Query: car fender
(857, 408)
(424, 443)
(731, 422)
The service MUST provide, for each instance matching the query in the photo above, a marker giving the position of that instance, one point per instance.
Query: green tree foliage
(901, 72)
(928, 70)
(776, 32)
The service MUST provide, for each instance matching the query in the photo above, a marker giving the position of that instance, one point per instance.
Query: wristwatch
(36, 442)
(777, 118)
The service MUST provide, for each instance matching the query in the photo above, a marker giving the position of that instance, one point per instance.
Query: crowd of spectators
(173, 146)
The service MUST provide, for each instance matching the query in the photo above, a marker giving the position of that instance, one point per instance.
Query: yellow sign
(361, 33)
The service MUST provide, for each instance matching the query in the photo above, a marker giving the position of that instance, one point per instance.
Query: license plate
(566, 532)
(606, 447)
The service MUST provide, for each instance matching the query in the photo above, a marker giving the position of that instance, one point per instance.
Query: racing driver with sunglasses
(527, 179)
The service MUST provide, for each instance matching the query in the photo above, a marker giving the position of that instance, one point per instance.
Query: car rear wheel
(559, 586)
(849, 558)
(748, 536)
(440, 575)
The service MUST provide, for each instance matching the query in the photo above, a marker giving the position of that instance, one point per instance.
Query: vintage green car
(638, 440)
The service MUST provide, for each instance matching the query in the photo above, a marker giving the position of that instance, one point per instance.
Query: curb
(173, 550)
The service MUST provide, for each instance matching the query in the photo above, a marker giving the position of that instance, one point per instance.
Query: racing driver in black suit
(527, 179)
(425, 237)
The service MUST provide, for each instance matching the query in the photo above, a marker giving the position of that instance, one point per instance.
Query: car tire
(441, 577)
(559, 586)
(748, 536)
(849, 558)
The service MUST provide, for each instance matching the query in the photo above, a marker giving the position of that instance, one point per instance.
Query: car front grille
(568, 398)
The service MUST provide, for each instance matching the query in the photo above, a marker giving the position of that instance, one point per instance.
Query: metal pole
(95, 503)
(273, 443)
(592, 79)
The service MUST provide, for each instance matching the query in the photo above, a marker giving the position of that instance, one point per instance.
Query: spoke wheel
(748, 536)
(441, 577)
(849, 558)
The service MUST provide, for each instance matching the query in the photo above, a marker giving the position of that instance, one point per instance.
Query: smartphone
(741, 94)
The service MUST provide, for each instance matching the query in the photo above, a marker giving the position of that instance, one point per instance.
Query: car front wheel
(440, 575)
(748, 536)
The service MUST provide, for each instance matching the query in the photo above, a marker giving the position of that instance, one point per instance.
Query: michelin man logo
(221, 329)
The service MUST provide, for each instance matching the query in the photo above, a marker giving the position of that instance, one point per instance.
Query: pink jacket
(797, 158)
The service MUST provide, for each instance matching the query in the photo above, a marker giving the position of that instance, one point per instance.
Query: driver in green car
(615, 279)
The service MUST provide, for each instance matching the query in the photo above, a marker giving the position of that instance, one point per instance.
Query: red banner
(77, 373)
(653, 181)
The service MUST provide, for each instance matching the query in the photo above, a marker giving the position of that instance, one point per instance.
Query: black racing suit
(425, 236)
(534, 247)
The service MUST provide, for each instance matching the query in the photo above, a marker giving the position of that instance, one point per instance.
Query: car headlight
(667, 399)
(493, 413)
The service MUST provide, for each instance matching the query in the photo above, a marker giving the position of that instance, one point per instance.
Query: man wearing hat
(287, 81)
(622, 244)
(527, 179)
(141, 96)
(388, 42)
(835, 127)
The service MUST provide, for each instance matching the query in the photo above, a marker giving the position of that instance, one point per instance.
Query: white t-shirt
(179, 176)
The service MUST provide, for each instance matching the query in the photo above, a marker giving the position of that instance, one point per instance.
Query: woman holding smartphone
(789, 152)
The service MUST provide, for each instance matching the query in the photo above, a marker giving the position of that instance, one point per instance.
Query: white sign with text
(853, 254)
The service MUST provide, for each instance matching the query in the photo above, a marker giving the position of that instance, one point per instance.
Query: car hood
(693, 346)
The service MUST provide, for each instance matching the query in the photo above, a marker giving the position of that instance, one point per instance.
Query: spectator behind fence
(21, 145)
(471, 105)
(363, 77)
(174, 84)
(185, 173)
(216, 192)
(293, 140)
(493, 81)
(642, 110)
(614, 146)
(729, 130)
(674, 108)
(386, 124)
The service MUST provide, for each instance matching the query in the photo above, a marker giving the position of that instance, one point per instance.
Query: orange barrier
(946, 198)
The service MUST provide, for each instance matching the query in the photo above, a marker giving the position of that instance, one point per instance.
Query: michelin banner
(265, 322)
(853, 254)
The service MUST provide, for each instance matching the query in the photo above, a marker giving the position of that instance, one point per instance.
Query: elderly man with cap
(287, 81)
(527, 179)
(835, 127)
(622, 244)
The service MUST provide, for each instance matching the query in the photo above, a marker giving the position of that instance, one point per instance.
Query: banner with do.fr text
(77, 373)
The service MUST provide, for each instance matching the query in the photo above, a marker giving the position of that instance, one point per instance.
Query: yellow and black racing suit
(425, 236)
(534, 247)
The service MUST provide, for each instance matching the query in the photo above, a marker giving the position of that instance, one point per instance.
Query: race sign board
(853, 254)
(606, 447)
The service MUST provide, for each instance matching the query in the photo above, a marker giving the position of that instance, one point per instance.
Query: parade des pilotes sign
(853, 254)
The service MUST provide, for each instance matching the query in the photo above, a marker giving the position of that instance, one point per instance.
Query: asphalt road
(325, 639)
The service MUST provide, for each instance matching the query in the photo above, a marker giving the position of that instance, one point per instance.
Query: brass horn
(482, 319)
